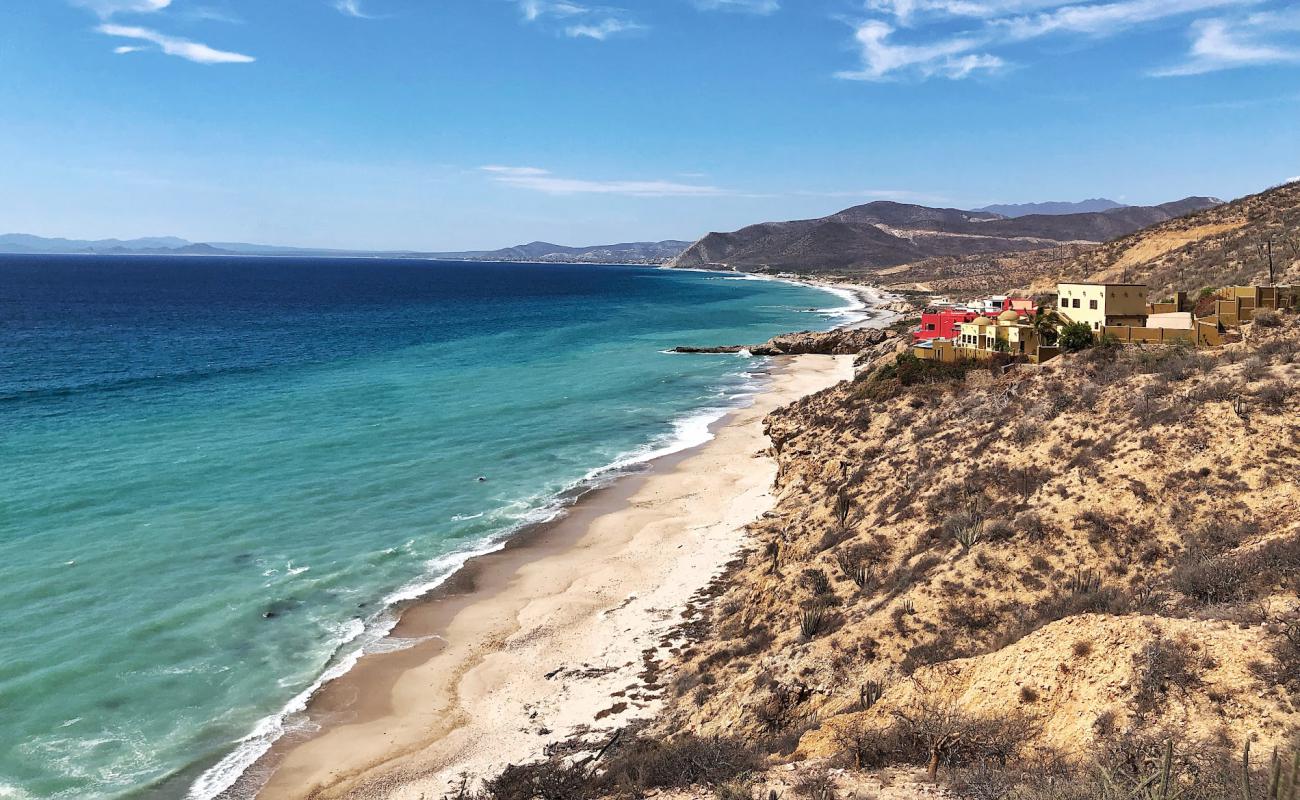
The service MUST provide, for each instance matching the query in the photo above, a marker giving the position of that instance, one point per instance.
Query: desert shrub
(1252, 369)
(1273, 394)
(1267, 318)
(816, 785)
(970, 616)
(1210, 580)
(734, 790)
(948, 737)
(1217, 536)
(548, 780)
(1082, 648)
(686, 760)
(1031, 525)
(1161, 665)
(998, 530)
(1215, 391)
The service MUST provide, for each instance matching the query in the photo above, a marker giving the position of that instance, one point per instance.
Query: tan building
(1102, 304)
(979, 338)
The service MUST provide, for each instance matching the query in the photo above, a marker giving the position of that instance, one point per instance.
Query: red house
(942, 323)
(1023, 306)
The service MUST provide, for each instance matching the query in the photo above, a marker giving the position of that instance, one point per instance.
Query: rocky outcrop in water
(840, 342)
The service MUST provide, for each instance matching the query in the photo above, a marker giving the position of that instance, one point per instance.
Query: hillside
(1026, 584)
(1219, 246)
(864, 240)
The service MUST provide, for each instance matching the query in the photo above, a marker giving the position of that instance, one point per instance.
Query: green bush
(1076, 336)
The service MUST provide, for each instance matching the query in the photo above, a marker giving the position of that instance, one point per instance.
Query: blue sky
(448, 124)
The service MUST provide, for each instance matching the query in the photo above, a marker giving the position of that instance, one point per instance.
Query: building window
(1076, 302)
(1092, 304)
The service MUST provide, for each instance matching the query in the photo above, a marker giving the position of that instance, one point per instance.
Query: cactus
(1084, 582)
(969, 535)
(854, 571)
(812, 622)
(843, 505)
(869, 693)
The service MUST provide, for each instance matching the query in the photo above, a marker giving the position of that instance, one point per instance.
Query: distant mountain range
(624, 253)
(877, 236)
(1053, 208)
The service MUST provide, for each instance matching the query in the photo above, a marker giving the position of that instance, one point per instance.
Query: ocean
(217, 475)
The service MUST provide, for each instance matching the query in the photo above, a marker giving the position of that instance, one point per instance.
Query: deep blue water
(216, 474)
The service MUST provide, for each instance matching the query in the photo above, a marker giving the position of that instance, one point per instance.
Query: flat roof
(1090, 283)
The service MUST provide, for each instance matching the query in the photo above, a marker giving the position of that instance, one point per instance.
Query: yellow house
(979, 338)
(1102, 304)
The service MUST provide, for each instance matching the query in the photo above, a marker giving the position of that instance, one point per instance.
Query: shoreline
(585, 599)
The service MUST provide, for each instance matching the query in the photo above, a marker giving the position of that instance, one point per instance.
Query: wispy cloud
(541, 180)
(351, 8)
(1255, 40)
(174, 46)
(885, 60)
(107, 8)
(578, 21)
(916, 38)
(763, 7)
(601, 30)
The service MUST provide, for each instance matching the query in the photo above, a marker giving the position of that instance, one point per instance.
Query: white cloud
(107, 8)
(1296, 179)
(541, 180)
(536, 9)
(173, 46)
(1258, 39)
(578, 21)
(995, 24)
(1104, 19)
(127, 48)
(351, 8)
(601, 30)
(744, 6)
(882, 59)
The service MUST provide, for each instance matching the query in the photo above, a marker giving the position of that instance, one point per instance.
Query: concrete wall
(1132, 335)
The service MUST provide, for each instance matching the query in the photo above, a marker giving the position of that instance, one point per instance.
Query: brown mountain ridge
(881, 235)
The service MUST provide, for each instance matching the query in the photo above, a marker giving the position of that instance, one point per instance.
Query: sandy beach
(550, 637)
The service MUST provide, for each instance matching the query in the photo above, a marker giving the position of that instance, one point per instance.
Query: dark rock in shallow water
(841, 342)
(727, 349)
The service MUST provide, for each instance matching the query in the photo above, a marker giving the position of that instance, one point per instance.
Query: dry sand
(545, 638)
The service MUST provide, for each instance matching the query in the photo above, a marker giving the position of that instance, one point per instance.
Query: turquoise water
(217, 474)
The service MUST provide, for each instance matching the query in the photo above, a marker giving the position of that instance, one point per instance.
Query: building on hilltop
(1102, 304)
